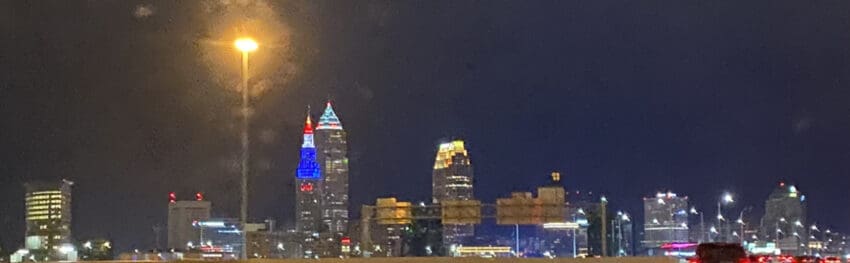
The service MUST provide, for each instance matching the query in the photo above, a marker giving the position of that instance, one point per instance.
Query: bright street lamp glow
(727, 198)
(246, 44)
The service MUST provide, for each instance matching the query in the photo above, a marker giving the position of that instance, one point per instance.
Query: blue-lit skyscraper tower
(308, 186)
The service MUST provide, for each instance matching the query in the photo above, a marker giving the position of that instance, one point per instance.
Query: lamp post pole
(245, 45)
(245, 153)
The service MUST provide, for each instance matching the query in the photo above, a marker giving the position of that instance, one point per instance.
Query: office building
(181, 216)
(218, 238)
(784, 220)
(308, 187)
(665, 221)
(332, 148)
(452, 180)
(48, 214)
(48, 223)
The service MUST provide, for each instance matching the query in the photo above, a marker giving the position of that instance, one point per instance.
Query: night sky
(134, 99)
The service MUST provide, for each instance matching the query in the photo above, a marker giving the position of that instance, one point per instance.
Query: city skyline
(624, 100)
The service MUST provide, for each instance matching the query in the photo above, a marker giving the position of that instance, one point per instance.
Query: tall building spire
(308, 168)
(308, 133)
(329, 120)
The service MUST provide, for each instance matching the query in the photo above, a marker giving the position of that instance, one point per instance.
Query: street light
(622, 217)
(726, 198)
(742, 223)
(701, 223)
(245, 45)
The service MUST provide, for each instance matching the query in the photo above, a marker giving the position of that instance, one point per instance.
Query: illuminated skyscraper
(48, 215)
(784, 220)
(665, 221)
(308, 186)
(333, 159)
(452, 180)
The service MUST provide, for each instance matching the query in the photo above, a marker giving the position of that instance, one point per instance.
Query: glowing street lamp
(694, 211)
(245, 45)
(727, 198)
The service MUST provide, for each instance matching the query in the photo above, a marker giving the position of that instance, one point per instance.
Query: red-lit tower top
(308, 126)
(308, 133)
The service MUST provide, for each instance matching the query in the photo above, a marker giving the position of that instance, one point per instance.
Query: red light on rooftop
(172, 197)
(199, 196)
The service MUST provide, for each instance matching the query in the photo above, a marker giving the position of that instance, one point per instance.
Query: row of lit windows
(458, 178)
(46, 192)
(42, 207)
(43, 217)
(459, 186)
(44, 202)
(41, 197)
(41, 212)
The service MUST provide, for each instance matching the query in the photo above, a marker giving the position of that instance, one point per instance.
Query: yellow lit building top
(449, 150)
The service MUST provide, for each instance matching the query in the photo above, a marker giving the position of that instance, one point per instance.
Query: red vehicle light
(760, 259)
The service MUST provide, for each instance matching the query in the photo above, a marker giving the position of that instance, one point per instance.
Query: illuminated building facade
(665, 221)
(333, 159)
(308, 187)
(784, 220)
(217, 239)
(48, 215)
(452, 180)
(181, 217)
